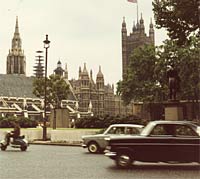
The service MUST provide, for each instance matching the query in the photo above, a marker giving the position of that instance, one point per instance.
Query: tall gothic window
(15, 64)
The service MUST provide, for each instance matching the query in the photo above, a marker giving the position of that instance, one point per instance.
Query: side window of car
(158, 130)
(112, 130)
(132, 130)
(116, 130)
(183, 130)
(120, 130)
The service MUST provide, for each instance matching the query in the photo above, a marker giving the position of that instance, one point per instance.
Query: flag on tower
(133, 1)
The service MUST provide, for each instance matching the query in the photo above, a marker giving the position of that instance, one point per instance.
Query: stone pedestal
(62, 118)
(173, 111)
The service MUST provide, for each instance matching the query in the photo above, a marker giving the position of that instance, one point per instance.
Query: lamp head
(46, 42)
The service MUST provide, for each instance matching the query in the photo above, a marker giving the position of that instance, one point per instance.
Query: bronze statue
(173, 81)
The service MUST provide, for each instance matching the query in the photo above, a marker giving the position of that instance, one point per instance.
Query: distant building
(136, 38)
(16, 61)
(88, 96)
(16, 89)
(94, 95)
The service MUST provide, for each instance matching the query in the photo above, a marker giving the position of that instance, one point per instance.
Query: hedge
(6, 122)
(104, 122)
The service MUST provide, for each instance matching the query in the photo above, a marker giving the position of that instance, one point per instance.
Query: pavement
(59, 143)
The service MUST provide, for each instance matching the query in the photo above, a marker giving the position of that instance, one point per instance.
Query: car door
(113, 131)
(186, 144)
(158, 144)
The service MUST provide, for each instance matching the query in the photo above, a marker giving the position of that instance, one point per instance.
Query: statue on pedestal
(173, 82)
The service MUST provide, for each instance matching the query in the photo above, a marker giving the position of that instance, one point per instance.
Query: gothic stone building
(87, 94)
(16, 89)
(136, 38)
(16, 61)
(16, 97)
(91, 95)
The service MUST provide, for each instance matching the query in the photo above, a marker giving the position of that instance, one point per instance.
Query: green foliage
(140, 83)
(147, 76)
(187, 62)
(104, 122)
(119, 87)
(179, 17)
(57, 89)
(6, 122)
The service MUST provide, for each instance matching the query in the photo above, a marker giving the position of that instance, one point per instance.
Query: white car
(97, 143)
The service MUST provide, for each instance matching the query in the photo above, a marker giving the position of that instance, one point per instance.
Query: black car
(160, 141)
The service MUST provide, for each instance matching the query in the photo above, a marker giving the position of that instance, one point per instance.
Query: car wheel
(23, 148)
(124, 160)
(93, 147)
(3, 147)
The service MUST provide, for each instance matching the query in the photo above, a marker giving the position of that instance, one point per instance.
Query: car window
(158, 130)
(132, 130)
(116, 130)
(183, 130)
(112, 130)
(120, 130)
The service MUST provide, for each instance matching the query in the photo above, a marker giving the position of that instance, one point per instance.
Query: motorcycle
(19, 142)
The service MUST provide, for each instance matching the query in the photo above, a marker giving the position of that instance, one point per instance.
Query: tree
(57, 89)
(147, 75)
(179, 17)
(119, 87)
(140, 83)
(186, 60)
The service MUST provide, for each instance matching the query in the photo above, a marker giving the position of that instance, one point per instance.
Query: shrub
(104, 122)
(23, 122)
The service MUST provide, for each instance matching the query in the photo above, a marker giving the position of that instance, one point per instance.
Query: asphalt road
(63, 162)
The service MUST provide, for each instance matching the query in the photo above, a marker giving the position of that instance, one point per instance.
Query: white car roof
(127, 125)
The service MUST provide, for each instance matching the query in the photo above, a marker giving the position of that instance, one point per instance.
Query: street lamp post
(46, 46)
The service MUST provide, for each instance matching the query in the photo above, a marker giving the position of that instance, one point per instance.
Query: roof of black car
(172, 122)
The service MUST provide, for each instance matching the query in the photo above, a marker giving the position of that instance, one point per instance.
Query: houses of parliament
(88, 94)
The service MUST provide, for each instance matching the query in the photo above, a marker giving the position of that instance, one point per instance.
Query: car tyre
(23, 148)
(3, 147)
(124, 160)
(93, 147)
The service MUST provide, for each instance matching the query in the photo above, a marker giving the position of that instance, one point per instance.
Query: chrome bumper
(110, 154)
(84, 145)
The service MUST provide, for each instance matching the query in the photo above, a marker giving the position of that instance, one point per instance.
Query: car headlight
(107, 138)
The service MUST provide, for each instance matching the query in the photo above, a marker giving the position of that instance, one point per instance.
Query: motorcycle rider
(15, 133)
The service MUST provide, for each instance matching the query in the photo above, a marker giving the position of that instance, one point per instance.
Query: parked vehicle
(96, 143)
(159, 141)
(19, 142)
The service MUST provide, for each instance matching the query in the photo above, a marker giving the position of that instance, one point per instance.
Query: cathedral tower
(100, 91)
(16, 61)
(136, 38)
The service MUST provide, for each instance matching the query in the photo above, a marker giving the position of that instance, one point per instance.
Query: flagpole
(135, 1)
(137, 11)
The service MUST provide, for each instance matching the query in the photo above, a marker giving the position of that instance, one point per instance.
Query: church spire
(16, 41)
(16, 61)
(16, 26)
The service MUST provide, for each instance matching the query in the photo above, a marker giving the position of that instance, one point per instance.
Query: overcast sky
(80, 31)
